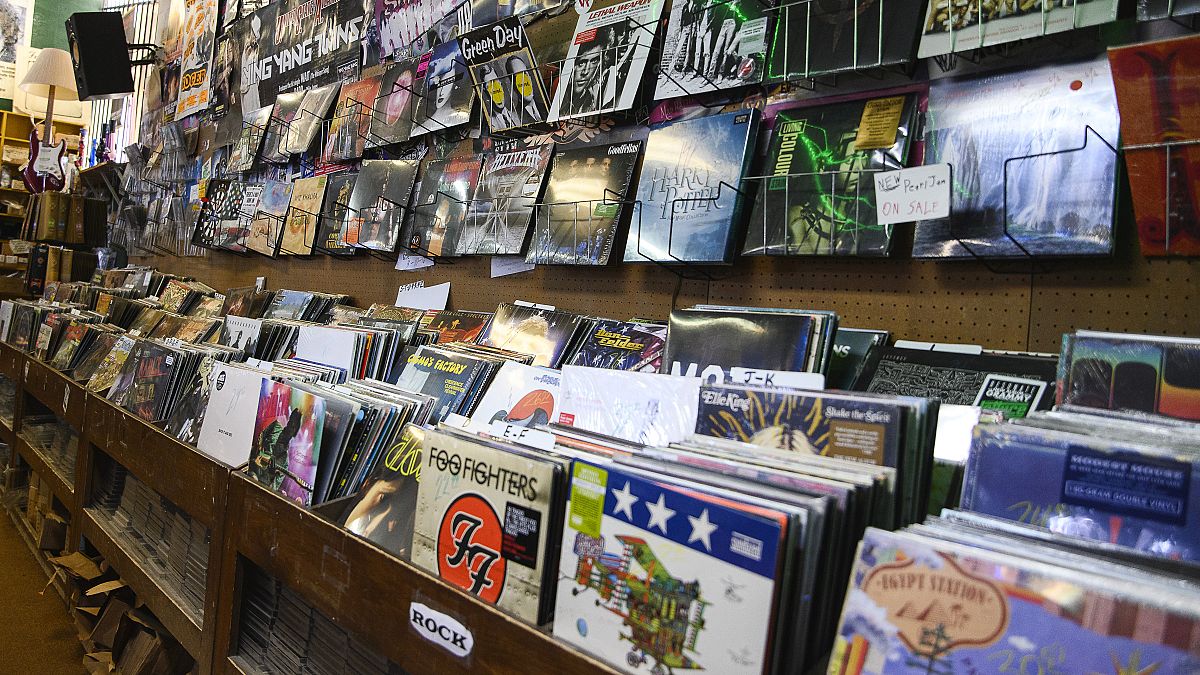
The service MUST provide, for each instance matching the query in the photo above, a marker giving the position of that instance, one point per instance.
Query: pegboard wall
(961, 301)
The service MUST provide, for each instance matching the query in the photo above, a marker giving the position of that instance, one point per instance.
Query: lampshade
(51, 69)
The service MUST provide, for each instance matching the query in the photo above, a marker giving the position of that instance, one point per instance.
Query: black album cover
(334, 211)
(392, 119)
(509, 184)
(378, 203)
(584, 205)
(440, 209)
(951, 377)
(819, 196)
(716, 344)
(506, 78)
(827, 36)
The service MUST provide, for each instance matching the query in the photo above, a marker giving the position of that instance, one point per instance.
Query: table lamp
(50, 76)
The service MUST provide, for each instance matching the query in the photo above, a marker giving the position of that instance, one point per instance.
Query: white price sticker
(907, 195)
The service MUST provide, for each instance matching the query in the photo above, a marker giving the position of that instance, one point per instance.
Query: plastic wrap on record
(623, 345)
(632, 545)
(285, 449)
(384, 509)
(1125, 372)
(975, 125)
(914, 599)
(543, 333)
(964, 26)
(447, 93)
(519, 395)
(1141, 497)
(439, 210)
(391, 121)
(309, 119)
(378, 203)
(502, 205)
(950, 377)
(351, 122)
(334, 211)
(646, 408)
(737, 57)
(700, 342)
(254, 128)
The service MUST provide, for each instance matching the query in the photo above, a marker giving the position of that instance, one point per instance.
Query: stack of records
(156, 374)
(638, 407)
(104, 373)
(303, 305)
(248, 301)
(748, 344)
(459, 326)
(77, 343)
(455, 374)
(185, 329)
(1138, 373)
(547, 334)
(955, 593)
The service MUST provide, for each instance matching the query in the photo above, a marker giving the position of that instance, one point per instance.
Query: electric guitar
(44, 170)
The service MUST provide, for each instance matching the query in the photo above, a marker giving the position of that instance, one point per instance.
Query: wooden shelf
(62, 487)
(63, 396)
(119, 552)
(367, 592)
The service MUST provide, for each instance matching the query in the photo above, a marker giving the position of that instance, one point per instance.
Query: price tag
(777, 378)
(879, 123)
(534, 438)
(505, 265)
(919, 193)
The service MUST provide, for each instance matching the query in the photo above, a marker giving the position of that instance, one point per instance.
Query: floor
(37, 635)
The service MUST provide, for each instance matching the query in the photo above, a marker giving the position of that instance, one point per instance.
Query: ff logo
(468, 548)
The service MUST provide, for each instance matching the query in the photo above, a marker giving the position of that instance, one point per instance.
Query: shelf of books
(376, 596)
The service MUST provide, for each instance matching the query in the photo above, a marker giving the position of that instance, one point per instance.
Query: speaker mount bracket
(153, 55)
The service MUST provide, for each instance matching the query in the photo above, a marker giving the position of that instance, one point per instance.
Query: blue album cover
(1138, 497)
(623, 345)
(690, 194)
(861, 430)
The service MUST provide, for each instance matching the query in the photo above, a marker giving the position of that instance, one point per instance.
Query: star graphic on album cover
(659, 513)
(702, 529)
(625, 502)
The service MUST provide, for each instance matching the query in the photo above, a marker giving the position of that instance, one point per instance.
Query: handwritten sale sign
(919, 193)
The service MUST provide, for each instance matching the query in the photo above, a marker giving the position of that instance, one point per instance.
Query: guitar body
(44, 171)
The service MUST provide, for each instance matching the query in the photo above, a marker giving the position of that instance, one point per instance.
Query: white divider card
(777, 378)
(906, 195)
(424, 297)
(408, 263)
(441, 629)
(521, 435)
(331, 346)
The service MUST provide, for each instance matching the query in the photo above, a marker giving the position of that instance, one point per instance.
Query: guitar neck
(46, 137)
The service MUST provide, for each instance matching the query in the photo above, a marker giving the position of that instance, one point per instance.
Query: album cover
(518, 395)
(545, 334)
(623, 345)
(1148, 10)
(718, 345)
(506, 77)
(691, 191)
(509, 184)
(279, 127)
(494, 533)
(241, 332)
(303, 216)
(639, 407)
(951, 27)
(286, 447)
(403, 22)
(585, 203)
(385, 507)
(106, 373)
(1154, 81)
(309, 119)
(1009, 150)
(819, 194)
(230, 417)
(606, 59)
(447, 376)
(712, 45)
(351, 123)
(440, 209)
(854, 349)
(1112, 371)
(392, 119)
(654, 578)
(810, 40)
(915, 599)
(151, 378)
(226, 207)
(267, 227)
(378, 203)
(446, 92)
(254, 128)
(334, 213)
(459, 326)
(185, 421)
(950, 377)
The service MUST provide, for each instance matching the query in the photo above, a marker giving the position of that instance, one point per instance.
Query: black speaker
(100, 55)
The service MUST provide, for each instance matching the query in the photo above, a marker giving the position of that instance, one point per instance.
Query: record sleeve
(303, 216)
(267, 227)
(282, 118)
(948, 376)
(951, 27)
(309, 118)
(403, 22)
(392, 119)
(1153, 81)
(351, 123)
(818, 196)
(712, 45)
(447, 376)
(440, 210)
(914, 599)
(229, 418)
(112, 365)
(1141, 373)
(623, 345)
(447, 94)
(509, 184)
(335, 212)
(840, 35)
(714, 345)
(632, 547)
(854, 349)
(1007, 149)
(645, 408)
(286, 445)
(456, 326)
(188, 417)
(385, 507)
(506, 78)
(378, 204)
(606, 59)
(520, 395)
(543, 333)
(585, 203)
(245, 150)
(487, 521)
(691, 194)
